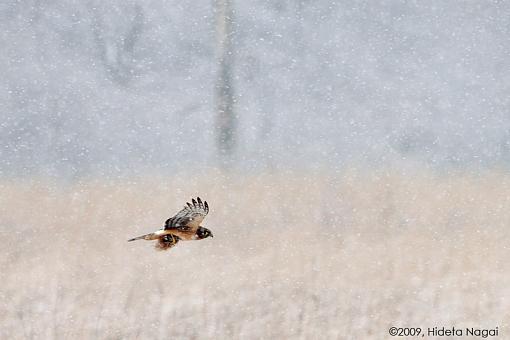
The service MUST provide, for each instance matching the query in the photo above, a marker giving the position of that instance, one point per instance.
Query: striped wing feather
(190, 217)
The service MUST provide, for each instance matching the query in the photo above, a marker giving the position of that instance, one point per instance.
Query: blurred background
(95, 88)
(354, 154)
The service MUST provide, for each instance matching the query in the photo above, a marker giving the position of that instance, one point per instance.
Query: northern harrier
(185, 225)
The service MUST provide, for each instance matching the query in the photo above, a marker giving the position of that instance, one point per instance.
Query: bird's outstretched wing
(189, 218)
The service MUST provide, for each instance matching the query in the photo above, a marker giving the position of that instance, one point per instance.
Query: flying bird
(185, 226)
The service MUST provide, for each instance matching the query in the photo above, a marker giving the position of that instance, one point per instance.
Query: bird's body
(185, 226)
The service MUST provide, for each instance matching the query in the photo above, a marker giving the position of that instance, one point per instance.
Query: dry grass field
(295, 256)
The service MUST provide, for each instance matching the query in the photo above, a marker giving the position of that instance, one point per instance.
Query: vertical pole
(224, 90)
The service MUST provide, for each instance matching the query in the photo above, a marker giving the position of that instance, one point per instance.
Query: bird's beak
(212, 235)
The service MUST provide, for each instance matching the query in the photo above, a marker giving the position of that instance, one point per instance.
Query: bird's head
(203, 233)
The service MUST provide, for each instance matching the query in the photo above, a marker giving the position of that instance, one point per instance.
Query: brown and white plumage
(186, 222)
(185, 225)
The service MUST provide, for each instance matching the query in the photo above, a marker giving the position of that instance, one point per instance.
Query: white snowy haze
(95, 87)
(354, 155)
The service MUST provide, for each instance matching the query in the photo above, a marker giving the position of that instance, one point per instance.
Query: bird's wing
(190, 217)
(166, 242)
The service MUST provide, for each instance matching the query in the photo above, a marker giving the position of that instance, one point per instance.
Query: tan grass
(298, 256)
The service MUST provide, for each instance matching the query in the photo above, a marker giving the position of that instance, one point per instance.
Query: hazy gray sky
(90, 87)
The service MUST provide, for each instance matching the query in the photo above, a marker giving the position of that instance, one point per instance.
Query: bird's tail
(143, 237)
